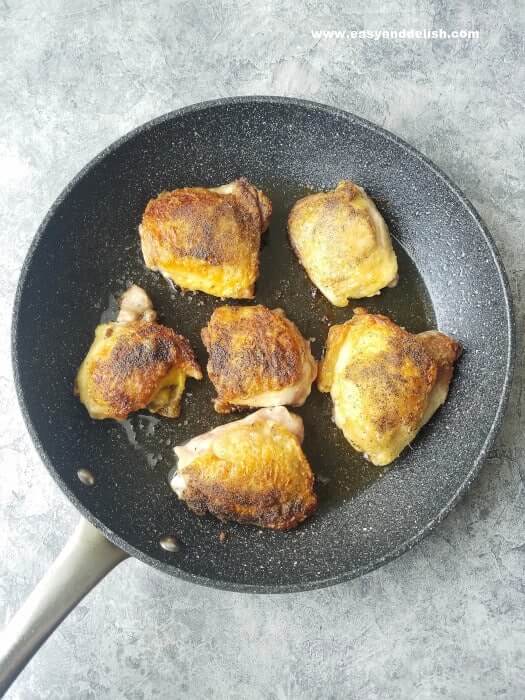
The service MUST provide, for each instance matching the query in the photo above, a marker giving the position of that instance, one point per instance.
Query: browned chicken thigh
(251, 470)
(343, 243)
(257, 357)
(385, 382)
(207, 239)
(135, 363)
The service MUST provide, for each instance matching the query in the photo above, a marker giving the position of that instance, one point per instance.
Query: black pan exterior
(87, 247)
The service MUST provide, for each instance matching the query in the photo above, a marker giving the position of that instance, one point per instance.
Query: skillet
(86, 252)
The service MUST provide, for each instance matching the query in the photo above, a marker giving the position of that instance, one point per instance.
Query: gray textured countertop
(446, 620)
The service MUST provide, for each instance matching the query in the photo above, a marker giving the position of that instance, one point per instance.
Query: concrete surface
(447, 620)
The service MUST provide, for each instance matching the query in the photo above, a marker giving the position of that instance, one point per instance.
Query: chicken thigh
(385, 382)
(135, 363)
(343, 243)
(207, 239)
(257, 357)
(251, 470)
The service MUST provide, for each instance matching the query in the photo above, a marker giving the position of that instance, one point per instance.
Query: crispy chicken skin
(135, 363)
(251, 470)
(385, 382)
(257, 358)
(207, 239)
(343, 243)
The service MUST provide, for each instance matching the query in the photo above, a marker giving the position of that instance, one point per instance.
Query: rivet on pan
(169, 543)
(86, 477)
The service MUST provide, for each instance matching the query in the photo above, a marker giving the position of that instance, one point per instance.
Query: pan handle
(86, 558)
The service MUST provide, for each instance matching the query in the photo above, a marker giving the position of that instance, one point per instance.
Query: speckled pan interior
(86, 253)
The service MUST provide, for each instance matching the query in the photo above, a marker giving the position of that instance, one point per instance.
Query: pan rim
(222, 584)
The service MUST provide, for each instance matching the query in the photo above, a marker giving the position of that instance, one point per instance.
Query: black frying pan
(87, 249)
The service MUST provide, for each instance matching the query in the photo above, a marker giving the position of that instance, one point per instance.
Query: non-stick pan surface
(87, 252)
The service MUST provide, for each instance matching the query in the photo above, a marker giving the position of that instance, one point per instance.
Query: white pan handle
(87, 557)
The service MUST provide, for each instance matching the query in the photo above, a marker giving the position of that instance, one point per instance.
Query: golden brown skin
(207, 239)
(385, 382)
(252, 471)
(135, 364)
(343, 243)
(257, 357)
